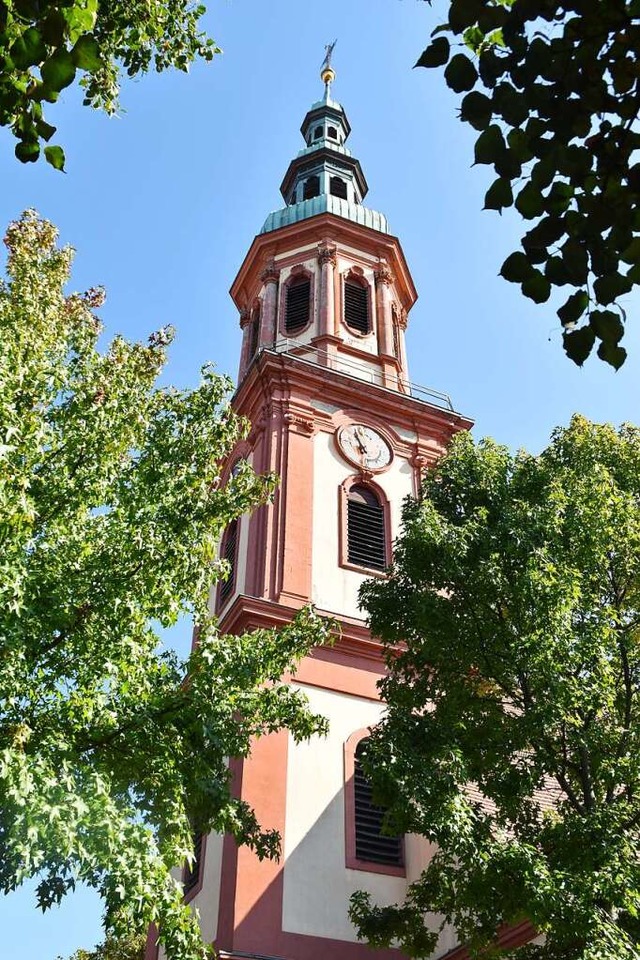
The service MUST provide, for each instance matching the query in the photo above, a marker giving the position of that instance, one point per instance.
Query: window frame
(357, 278)
(299, 271)
(255, 322)
(352, 862)
(343, 535)
(194, 890)
(231, 583)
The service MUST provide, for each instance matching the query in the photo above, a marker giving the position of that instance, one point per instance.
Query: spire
(325, 177)
(327, 73)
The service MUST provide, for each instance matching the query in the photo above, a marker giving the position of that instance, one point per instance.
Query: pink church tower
(324, 295)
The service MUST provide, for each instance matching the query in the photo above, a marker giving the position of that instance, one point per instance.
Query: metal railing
(309, 353)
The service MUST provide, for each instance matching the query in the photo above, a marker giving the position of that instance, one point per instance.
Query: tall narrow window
(338, 187)
(297, 304)
(228, 553)
(396, 340)
(192, 870)
(366, 539)
(356, 306)
(311, 188)
(372, 844)
(317, 133)
(255, 331)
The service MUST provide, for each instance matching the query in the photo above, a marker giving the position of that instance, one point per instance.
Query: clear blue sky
(162, 204)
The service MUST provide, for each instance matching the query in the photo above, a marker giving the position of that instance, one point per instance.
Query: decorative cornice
(353, 636)
(327, 253)
(270, 274)
(314, 230)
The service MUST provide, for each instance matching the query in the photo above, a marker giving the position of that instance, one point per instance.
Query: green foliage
(111, 508)
(129, 948)
(513, 731)
(44, 43)
(558, 118)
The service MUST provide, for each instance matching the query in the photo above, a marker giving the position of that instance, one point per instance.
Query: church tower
(324, 295)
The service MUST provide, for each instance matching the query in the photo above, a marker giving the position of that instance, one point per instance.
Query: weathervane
(326, 71)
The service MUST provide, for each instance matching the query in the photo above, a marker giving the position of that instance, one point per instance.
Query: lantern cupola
(324, 177)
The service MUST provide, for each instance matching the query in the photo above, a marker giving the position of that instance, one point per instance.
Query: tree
(47, 44)
(512, 735)
(553, 89)
(114, 949)
(112, 751)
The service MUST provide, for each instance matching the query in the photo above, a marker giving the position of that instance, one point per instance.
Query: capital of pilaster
(327, 253)
(270, 274)
(245, 317)
(403, 319)
(383, 273)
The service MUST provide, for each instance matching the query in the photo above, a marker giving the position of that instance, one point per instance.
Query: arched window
(338, 187)
(311, 188)
(372, 845)
(366, 529)
(297, 305)
(228, 553)
(332, 133)
(356, 306)
(192, 873)
(255, 331)
(317, 133)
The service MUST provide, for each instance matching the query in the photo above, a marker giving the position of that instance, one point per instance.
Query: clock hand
(361, 446)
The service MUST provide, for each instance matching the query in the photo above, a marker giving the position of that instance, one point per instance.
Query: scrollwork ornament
(270, 274)
(327, 253)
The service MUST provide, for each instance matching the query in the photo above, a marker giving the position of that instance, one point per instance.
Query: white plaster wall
(207, 901)
(367, 370)
(335, 588)
(317, 885)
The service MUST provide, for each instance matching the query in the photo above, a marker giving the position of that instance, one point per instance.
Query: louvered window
(366, 541)
(298, 301)
(371, 843)
(229, 554)
(356, 306)
(311, 188)
(338, 187)
(191, 875)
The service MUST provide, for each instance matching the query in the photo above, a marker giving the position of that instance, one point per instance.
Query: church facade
(324, 295)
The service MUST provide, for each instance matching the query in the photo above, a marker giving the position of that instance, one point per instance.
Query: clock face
(364, 446)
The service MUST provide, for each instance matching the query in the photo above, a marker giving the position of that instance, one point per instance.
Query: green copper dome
(324, 177)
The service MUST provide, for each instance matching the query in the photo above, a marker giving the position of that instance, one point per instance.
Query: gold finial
(327, 72)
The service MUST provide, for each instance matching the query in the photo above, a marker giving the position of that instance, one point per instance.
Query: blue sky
(162, 204)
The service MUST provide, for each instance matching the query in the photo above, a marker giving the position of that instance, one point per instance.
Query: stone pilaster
(327, 258)
(269, 277)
